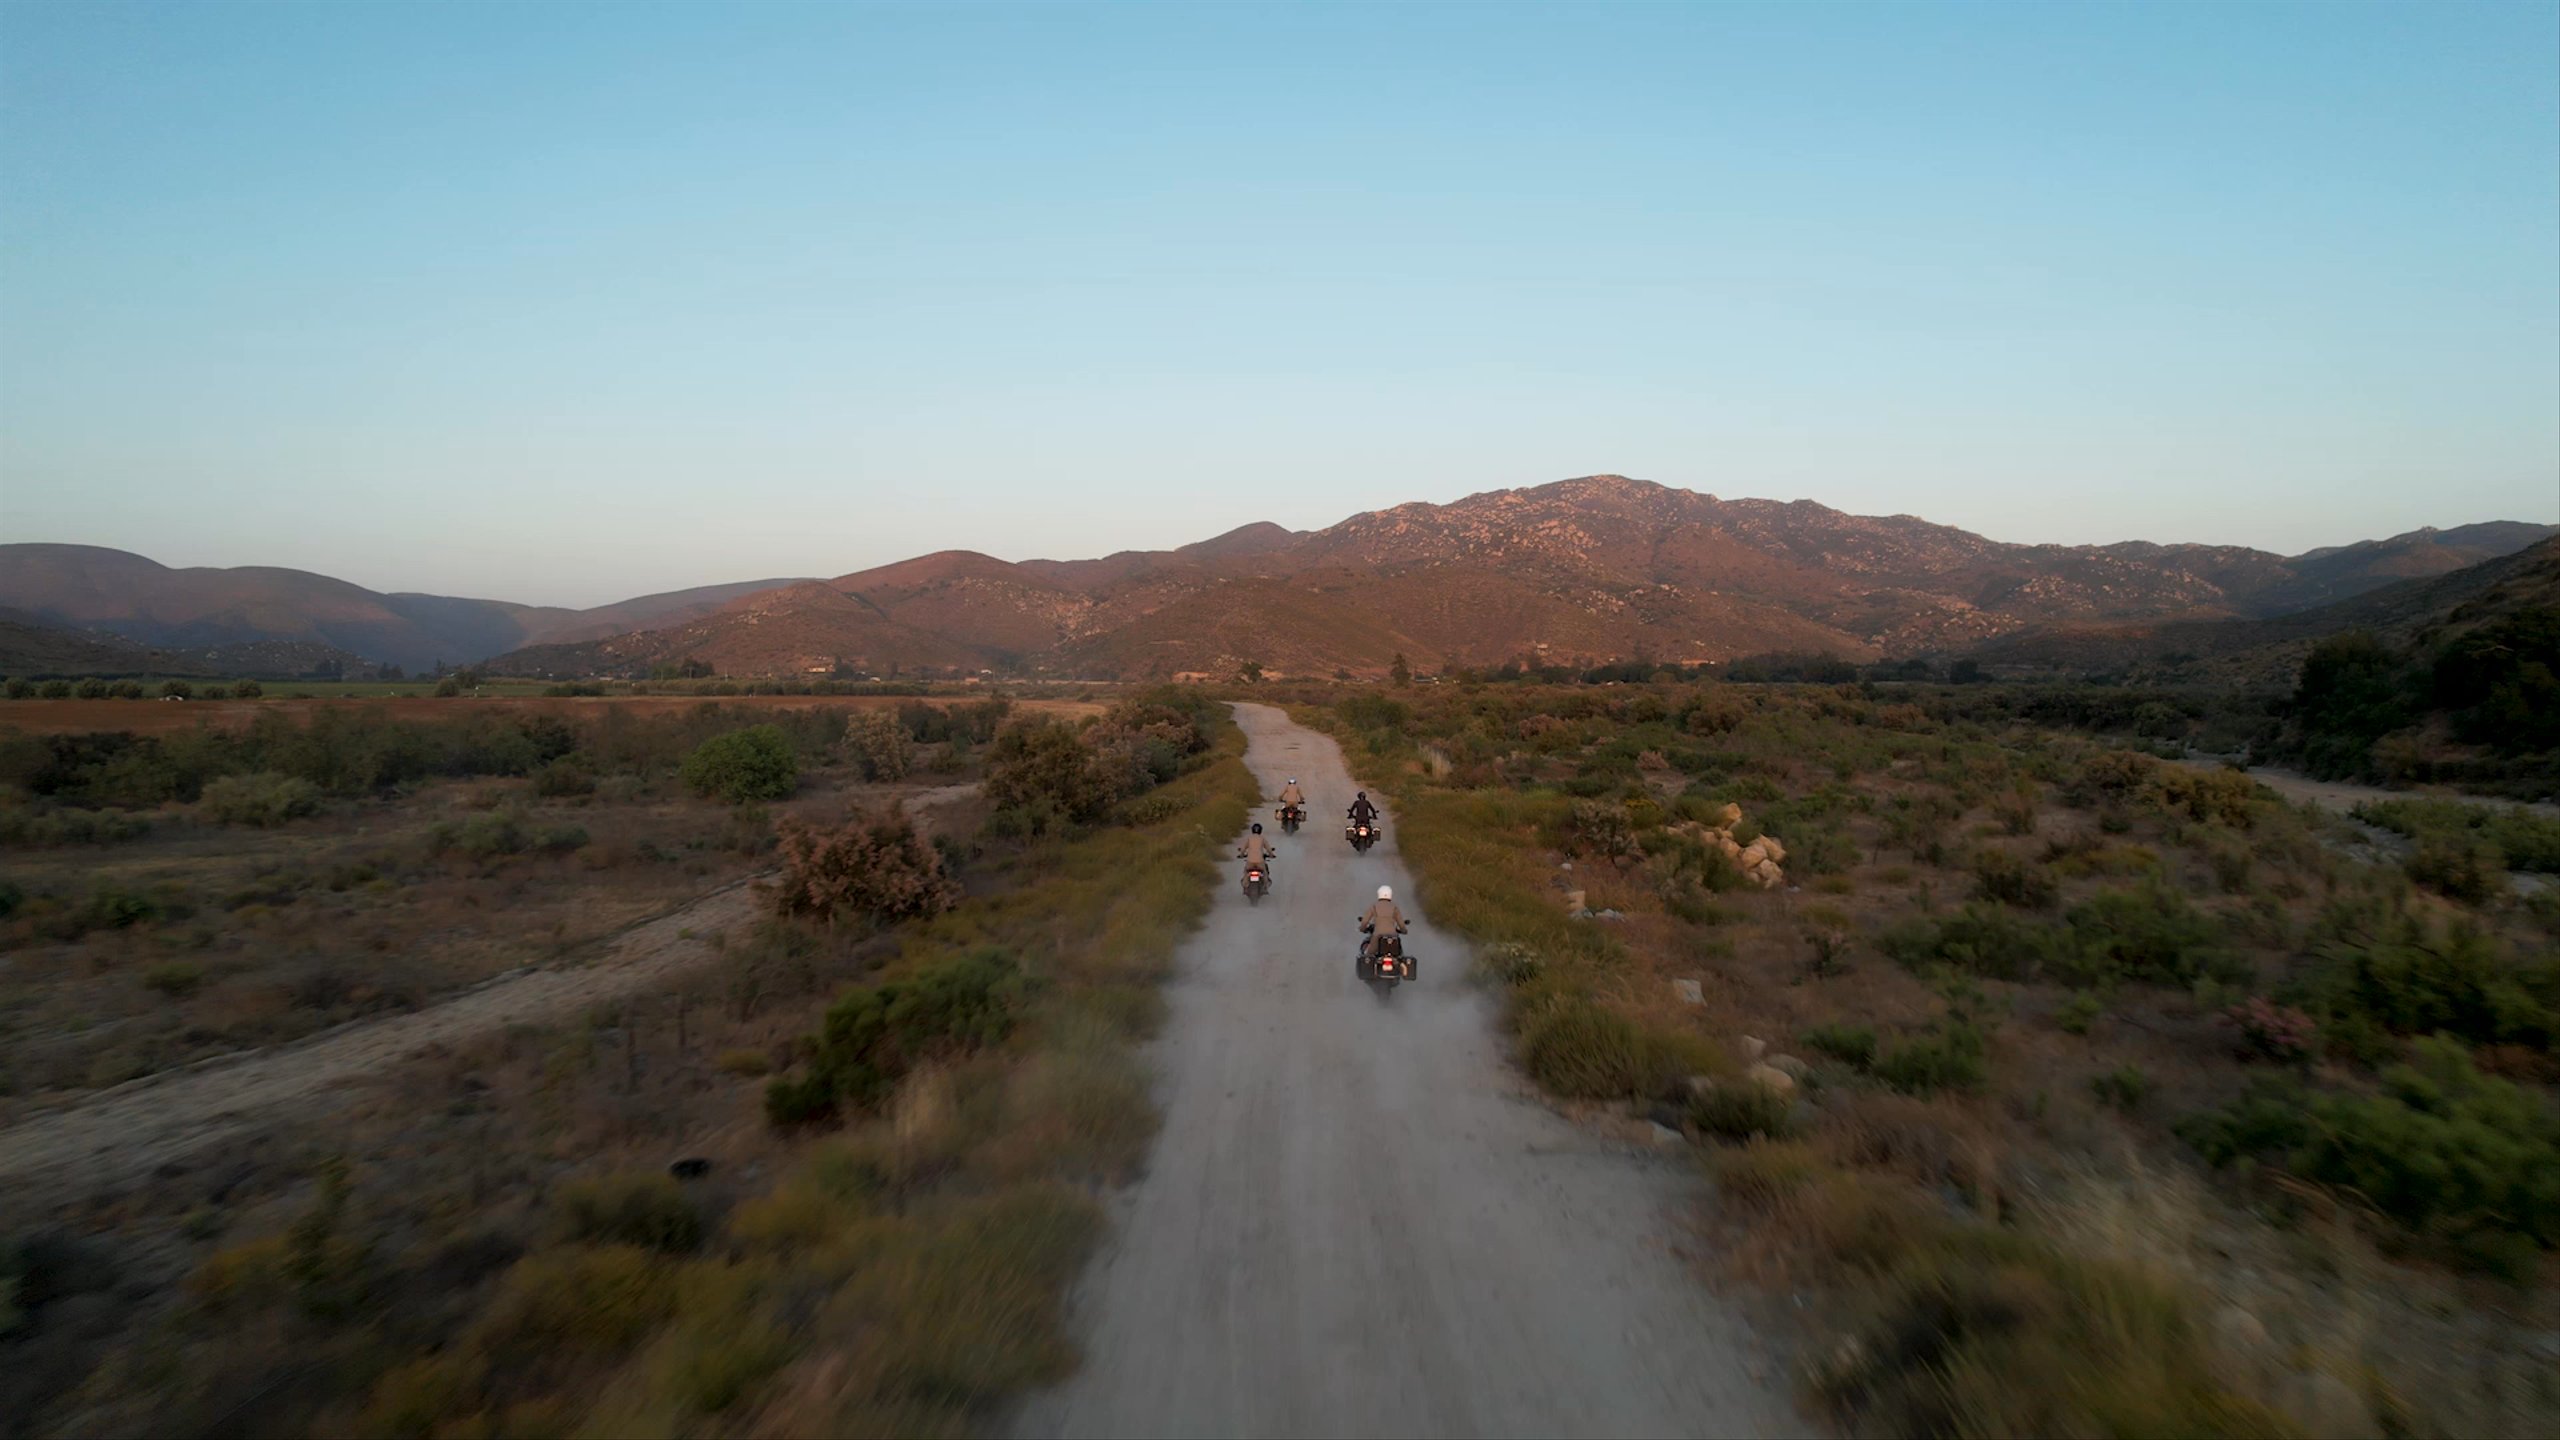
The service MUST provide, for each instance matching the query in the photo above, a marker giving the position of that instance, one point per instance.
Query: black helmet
(1257, 829)
(1360, 795)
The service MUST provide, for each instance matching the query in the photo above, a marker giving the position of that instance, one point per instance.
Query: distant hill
(2267, 653)
(1582, 571)
(1597, 569)
(87, 587)
(44, 652)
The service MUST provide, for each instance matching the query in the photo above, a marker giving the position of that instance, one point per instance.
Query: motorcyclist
(1382, 918)
(1257, 851)
(1291, 795)
(1362, 812)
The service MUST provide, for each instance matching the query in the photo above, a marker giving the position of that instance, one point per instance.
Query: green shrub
(1985, 940)
(262, 799)
(880, 745)
(2149, 934)
(1949, 1058)
(2226, 797)
(568, 776)
(2402, 977)
(1985, 1333)
(174, 978)
(873, 1036)
(1851, 1045)
(1577, 1049)
(2458, 867)
(2013, 879)
(2078, 1013)
(2460, 1158)
(2122, 1088)
(640, 1208)
(485, 836)
(756, 763)
(2525, 839)
(561, 839)
(1042, 775)
(1741, 1110)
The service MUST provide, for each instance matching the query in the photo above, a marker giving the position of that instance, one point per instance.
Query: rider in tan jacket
(1256, 850)
(1381, 918)
(1290, 794)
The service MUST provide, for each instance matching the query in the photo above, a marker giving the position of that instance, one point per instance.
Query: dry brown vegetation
(2062, 1030)
(592, 1225)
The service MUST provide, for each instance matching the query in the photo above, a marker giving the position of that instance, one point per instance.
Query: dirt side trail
(1357, 1220)
(124, 1133)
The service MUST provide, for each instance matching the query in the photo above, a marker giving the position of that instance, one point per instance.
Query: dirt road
(127, 1132)
(1358, 1222)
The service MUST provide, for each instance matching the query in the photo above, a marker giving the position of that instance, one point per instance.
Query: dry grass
(2018, 1252)
(898, 1275)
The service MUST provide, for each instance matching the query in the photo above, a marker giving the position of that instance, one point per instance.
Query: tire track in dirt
(125, 1133)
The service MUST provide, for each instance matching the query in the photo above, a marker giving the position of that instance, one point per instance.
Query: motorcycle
(1385, 964)
(1291, 817)
(1257, 883)
(1361, 835)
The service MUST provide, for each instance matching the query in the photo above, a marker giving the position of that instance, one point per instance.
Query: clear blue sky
(563, 302)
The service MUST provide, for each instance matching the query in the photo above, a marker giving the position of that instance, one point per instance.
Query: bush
(2122, 1088)
(570, 775)
(1042, 773)
(1851, 1045)
(2464, 1159)
(2524, 839)
(1601, 830)
(639, 1208)
(174, 978)
(880, 743)
(2015, 880)
(872, 1037)
(2458, 867)
(2078, 1013)
(873, 866)
(2403, 978)
(1741, 1110)
(2268, 1031)
(263, 799)
(1984, 1333)
(756, 763)
(2150, 935)
(2226, 797)
(1978, 940)
(1577, 1049)
(485, 836)
(1950, 1058)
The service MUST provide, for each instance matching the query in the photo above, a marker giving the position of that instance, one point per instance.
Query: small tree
(873, 866)
(755, 763)
(1251, 671)
(879, 741)
(177, 689)
(1400, 672)
(248, 690)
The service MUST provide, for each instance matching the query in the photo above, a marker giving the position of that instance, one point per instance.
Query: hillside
(2267, 654)
(1580, 571)
(43, 652)
(1596, 569)
(87, 587)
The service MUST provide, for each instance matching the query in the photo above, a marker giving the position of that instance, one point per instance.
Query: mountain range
(87, 587)
(1580, 571)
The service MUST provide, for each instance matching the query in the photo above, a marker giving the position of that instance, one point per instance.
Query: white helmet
(1386, 892)
(1293, 779)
